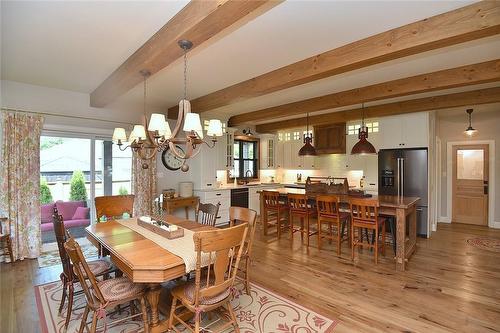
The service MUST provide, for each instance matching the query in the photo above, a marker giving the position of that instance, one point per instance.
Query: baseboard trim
(495, 225)
(444, 219)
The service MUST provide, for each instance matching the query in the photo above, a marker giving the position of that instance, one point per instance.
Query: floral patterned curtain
(20, 181)
(143, 184)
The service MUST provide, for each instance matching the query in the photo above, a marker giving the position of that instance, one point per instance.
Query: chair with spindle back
(6, 241)
(245, 215)
(212, 289)
(329, 213)
(113, 206)
(300, 206)
(206, 214)
(106, 294)
(275, 212)
(364, 215)
(98, 267)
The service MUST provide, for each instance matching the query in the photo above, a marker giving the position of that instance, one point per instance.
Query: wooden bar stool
(329, 213)
(275, 212)
(364, 215)
(300, 207)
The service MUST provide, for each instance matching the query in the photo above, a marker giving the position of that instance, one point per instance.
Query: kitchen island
(402, 208)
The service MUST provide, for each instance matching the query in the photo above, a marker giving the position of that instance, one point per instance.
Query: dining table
(141, 259)
(403, 208)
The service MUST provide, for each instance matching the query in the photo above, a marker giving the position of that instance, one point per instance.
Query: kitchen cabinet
(222, 196)
(405, 131)
(287, 155)
(225, 146)
(279, 158)
(330, 139)
(267, 152)
(254, 199)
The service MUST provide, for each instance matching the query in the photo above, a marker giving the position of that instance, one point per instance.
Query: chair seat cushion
(99, 266)
(119, 289)
(189, 290)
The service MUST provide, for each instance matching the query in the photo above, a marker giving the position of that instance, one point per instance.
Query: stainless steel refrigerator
(404, 172)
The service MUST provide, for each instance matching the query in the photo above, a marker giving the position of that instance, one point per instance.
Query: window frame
(240, 139)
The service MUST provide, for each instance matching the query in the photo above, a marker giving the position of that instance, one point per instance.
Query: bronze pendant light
(363, 146)
(470, 131)
(307, 149)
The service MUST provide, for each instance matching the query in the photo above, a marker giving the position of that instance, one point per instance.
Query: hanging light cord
(185, 73)
(145, 76)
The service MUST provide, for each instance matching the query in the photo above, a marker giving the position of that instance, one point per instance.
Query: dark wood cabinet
(330, 139)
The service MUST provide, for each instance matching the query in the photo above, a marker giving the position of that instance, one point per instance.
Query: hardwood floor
(449, 286)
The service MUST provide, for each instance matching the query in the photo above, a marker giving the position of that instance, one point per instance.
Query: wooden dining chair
(100, 267)
(106, 294)
(300, 207)
(212, 290)
(113, 206)
(245, 215)
(364, 215)
(275, 212)
(206, 214)
(329, 214)
(6, 240)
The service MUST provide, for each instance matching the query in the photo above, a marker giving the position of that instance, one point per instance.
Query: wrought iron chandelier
(158, 136)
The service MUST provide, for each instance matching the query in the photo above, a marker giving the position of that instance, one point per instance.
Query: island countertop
(393, 201)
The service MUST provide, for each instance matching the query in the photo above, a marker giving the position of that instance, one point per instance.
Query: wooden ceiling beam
(450, 78)
(468, 23)
(469, 98)
(198, 21)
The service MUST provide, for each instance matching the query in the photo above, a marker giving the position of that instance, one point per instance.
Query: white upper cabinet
(405, 131)
(225, 150)
(268, 152)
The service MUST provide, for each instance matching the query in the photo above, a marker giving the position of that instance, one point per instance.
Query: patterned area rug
(50, 253)
(490, 244)
(263, 311)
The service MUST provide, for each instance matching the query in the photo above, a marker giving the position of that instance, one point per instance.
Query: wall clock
(170, 161)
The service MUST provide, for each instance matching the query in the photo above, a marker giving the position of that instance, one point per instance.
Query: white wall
(450, 128)
(27, 97)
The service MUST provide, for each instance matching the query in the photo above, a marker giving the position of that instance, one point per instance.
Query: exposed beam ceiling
(198, 21)
(482, 96)
(464, 24)
(449, 78)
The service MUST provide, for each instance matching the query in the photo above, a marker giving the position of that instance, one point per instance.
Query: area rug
(490, 244)
(263, 311)
(50, 253)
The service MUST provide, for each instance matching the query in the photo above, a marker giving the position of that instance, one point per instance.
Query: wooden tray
(159, 231)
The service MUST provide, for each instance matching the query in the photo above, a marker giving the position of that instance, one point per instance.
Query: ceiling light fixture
(248, 132)
(363, 146)
(158, 136)
(470, 131)
(307, 149)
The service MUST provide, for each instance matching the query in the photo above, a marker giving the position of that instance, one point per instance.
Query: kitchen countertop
(232, 186)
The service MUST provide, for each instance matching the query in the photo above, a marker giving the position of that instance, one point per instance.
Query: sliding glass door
(74, 170)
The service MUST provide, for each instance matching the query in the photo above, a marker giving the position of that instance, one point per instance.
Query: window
(206, 123)
(353, 129)
(287, 136)
(280, 136)
(296, 135)
(245, 159)
(79, 169)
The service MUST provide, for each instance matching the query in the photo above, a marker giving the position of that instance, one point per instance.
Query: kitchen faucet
(246, 173)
